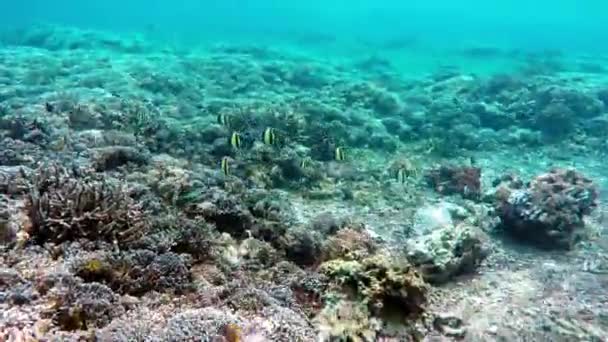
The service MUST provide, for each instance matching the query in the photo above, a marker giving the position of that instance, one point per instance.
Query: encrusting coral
(550, 211)
(463, 180)
(390, 289)
(447, 252)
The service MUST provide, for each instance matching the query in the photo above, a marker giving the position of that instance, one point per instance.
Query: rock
(449, 180)
(386, 285)
(550, 211)
(430, 218)
(448, 252)
(450, 326)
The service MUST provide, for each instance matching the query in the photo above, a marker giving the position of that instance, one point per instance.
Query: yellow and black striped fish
(339, 154)
(224, 119)
(305, 163)
(235, 140)
(225, 166)
(269, 136)
(402, 175)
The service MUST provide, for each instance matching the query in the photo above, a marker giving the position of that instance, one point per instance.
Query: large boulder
(550, 211)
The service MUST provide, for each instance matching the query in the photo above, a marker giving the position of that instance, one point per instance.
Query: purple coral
(549, 212)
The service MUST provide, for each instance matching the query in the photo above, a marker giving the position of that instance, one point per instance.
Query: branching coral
(65, 205)
(550, 211)
(84, 306)
(137, 272)
(140, 271)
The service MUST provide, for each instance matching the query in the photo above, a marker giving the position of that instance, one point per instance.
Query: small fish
(305, 163)
(472, 160)
(143, 117)
(225, 166)
(49, 107)
(339, 154)
(402, 175)
(224, 119)
(269, 136)
(235, 140)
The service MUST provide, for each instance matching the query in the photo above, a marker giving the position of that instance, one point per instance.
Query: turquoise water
(424, 33)
(275, 170)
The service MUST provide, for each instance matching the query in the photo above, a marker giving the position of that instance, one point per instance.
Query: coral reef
(138, 271)
(85, 306)
(349, 244)
(463, 180)
(347, 320)
(390, 289)
(63, 205)
(549, 211)
(448, 252)
(203, 324)
(127, 212)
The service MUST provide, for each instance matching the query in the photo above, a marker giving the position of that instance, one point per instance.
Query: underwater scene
(328, 171)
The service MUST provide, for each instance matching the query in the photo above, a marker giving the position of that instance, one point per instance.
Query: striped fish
(339, 154)
(269, 136)
(225, 166)
(235, 140)
(224, 119)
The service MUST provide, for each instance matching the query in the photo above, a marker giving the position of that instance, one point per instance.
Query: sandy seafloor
(518, 293)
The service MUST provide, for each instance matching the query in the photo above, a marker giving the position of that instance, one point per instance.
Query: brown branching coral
(65, 205)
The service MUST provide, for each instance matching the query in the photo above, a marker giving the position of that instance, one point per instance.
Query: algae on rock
(389, 288)
(448, 252)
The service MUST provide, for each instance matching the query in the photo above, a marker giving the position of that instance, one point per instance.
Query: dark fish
(49, 107)
(224, 119)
